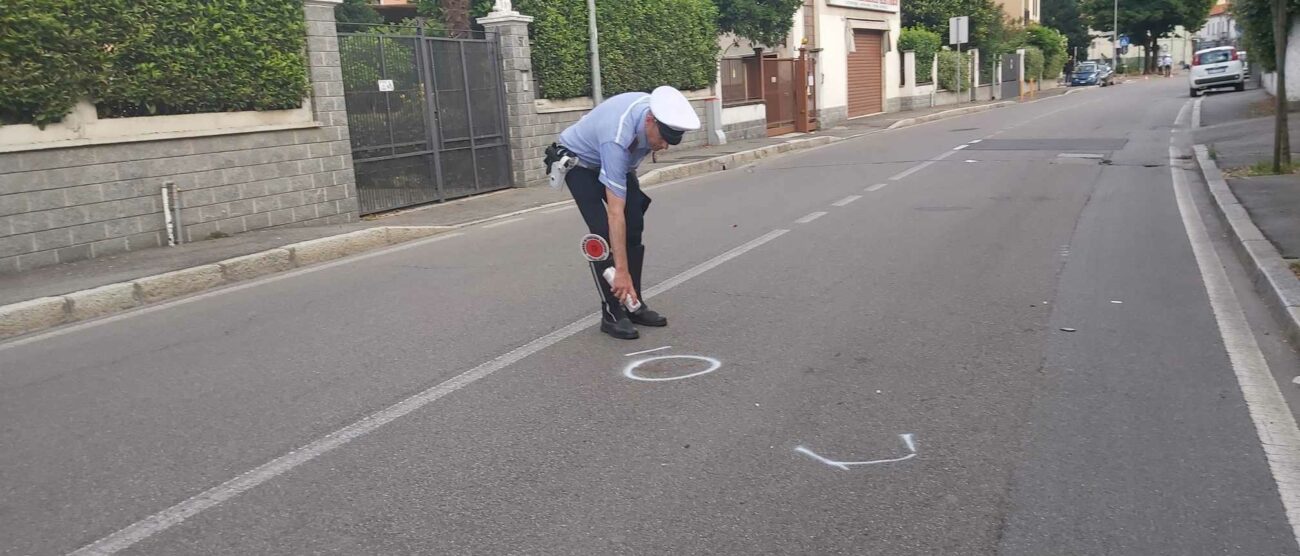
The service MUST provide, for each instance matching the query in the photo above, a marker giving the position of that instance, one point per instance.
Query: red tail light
(1196, 61)
(1234, 54)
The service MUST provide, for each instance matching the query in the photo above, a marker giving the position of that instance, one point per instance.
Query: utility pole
(596, 94)
(1281, 135)
(1114, 43)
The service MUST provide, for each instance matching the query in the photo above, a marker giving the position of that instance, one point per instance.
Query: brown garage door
(866, 82)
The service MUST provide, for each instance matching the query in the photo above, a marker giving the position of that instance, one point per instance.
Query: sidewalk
(1237, 129)
(48, 289)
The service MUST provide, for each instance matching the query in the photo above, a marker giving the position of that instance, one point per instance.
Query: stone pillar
(1020, 64)
(326, 75)
(975, 73)
(511, 31)
(909, 74)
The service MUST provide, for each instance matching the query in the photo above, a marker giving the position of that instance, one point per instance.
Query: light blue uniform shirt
(612, 137)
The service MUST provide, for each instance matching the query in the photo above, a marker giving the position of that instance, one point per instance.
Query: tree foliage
(354, 15)
(1064, 16)
(764, 22)
(643, 44)
(948, 60)
(1034, 63)
(1255, 18)
(1147, 21)
(988, 28)
(1053, 46)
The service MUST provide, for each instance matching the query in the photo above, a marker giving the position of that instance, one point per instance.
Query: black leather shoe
(647, 317)
(621, 329)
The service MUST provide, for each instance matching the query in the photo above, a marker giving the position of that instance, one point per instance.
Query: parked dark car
(1092, 73)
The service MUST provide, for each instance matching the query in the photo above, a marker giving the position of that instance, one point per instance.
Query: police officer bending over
(609, 143)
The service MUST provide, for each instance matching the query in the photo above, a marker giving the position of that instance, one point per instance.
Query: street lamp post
(596, 93)
(1114, 43)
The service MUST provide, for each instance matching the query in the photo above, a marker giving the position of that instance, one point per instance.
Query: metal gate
(426, 116)
(1010, 76)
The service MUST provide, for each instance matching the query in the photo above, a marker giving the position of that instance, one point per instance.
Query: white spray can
(630, 302)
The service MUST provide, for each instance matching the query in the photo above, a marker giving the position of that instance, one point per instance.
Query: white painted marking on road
(1078, 155)
(646, 351)
(222, 291)
(969, 161)
(207, 499)
(810, 218)
(908, 439)
(976, 141)
(959, 147)
(877, 187)
(910, 171)
(557, 209)
(1274, 422)
(1196, 112)
(846, 200)
(503, 223)
(1117, 302)
(1182, 114)
(630, 370)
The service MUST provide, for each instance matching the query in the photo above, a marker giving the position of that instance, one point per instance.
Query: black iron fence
(426, 116)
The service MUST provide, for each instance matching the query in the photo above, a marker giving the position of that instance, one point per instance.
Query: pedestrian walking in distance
(597, 158)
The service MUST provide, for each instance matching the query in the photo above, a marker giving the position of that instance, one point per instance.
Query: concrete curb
(39, 314)
(720, 163)
(907, 122)
(1271, 275)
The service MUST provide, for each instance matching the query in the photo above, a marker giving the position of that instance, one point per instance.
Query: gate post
(526, 147)
(327, 104)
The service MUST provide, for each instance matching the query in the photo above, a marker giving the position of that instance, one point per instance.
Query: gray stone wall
(69, 204)
(831, 117)
(754, 129)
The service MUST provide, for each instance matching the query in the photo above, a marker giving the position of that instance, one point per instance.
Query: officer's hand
(622, 286)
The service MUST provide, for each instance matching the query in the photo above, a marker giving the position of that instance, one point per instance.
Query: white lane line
(502, 223)
(976, 141)
(810, 218)
(229, 289)
(1196, 113)
(1274, 422)
(920, 166)
(846, 200)
(1182, 114)
(877, 187)
(910, 171)
(556, 209)
(174, 515)
(646, 351)
(959, 147)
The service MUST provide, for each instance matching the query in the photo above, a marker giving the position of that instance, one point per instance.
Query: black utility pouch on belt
(553, 154)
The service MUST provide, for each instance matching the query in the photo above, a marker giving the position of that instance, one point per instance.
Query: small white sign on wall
(385, 85)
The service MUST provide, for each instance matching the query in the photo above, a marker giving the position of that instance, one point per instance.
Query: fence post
(526, 145)
(327, 101)
(975, 73)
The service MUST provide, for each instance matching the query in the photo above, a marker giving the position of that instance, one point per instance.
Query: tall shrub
(1033, 63)
(948, 61)
(146, 57)
(643, 44)
(925, 43)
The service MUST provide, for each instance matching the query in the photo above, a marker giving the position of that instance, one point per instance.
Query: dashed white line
(846, 200)
(810, 218)
(877, 187)
(170, 517)
(976, 141)
(502, 223)
(959, 147)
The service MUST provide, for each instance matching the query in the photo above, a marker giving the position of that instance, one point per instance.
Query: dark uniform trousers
(589, 195)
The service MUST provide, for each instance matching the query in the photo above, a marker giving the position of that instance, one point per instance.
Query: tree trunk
(455, 14)
(1281, 135)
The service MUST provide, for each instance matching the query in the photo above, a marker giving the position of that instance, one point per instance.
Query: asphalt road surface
(453, 396)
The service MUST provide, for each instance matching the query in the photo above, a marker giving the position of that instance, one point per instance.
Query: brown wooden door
(866, 75)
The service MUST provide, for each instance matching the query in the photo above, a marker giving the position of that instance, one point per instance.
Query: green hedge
(1034, 63)
(925, 44)
(948, 70)
(643, 44)
(148, 57)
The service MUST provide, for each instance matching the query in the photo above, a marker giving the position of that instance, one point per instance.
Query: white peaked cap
(671, 108)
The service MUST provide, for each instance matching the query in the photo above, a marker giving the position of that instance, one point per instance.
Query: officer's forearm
(617, 232)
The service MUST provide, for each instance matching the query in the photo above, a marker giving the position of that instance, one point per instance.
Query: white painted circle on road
(630, 370)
